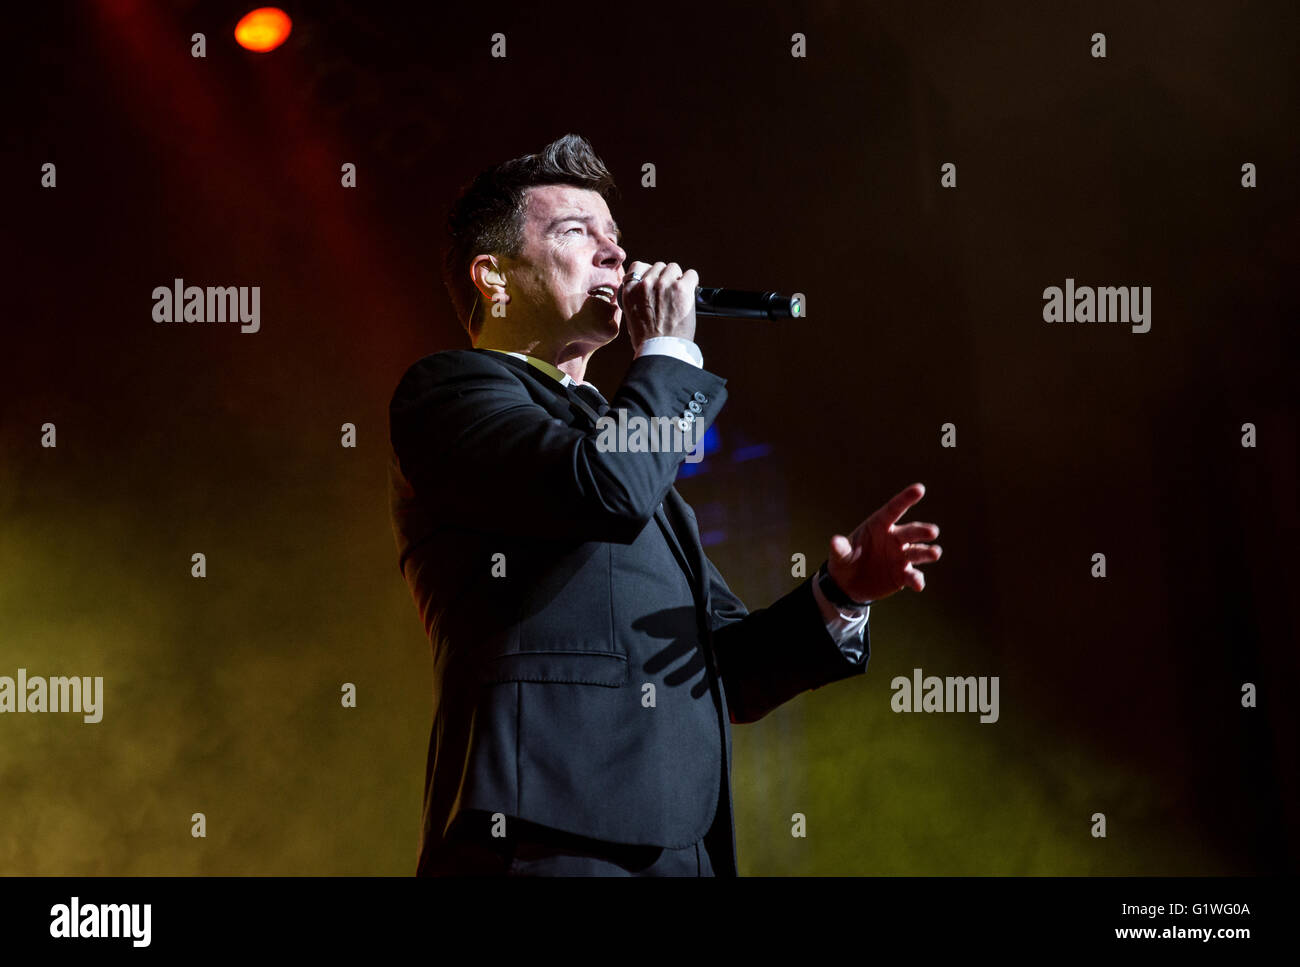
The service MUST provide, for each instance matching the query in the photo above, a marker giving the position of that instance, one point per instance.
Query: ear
(489, 279)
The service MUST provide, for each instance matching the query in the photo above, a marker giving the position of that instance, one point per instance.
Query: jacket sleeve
(466, 433)
(767, 657)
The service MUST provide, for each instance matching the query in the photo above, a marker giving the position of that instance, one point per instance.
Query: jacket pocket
(574, 667)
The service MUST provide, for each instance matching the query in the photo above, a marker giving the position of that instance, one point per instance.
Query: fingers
(650, 278)
(907, 542)
(921, 553)
(661, 302)
(663, 276)
(918, 554)
(912, 532)
(635, 268)
(842, 550)
(899, 503)
(660, 273)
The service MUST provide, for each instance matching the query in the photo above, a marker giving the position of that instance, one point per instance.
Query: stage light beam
(263, 29)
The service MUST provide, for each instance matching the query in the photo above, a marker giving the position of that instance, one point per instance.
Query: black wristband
(834, 593)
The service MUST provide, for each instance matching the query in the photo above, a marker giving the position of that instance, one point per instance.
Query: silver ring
(636, 276)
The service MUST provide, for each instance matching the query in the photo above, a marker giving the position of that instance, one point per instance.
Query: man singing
(588, 658)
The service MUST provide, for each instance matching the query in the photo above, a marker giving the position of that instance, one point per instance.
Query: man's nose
(613, 256)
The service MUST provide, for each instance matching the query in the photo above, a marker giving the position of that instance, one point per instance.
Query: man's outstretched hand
(879, 557)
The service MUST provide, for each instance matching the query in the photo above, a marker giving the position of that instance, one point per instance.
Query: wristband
(834, 593)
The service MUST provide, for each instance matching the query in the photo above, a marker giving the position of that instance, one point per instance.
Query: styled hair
(488, 216)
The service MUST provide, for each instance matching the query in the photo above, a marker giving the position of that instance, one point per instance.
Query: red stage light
(263, 29)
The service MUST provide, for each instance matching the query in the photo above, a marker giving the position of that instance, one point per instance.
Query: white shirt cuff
(845, 625)
(683, 349)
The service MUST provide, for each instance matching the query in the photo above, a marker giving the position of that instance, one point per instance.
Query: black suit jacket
(601, 587)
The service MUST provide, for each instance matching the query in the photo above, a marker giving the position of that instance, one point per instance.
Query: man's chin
(606, 324)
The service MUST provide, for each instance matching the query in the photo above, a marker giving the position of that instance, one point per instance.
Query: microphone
(740, 304)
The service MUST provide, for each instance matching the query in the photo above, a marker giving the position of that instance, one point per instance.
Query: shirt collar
(550, 369)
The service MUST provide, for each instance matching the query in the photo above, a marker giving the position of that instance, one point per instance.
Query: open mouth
(605, 293)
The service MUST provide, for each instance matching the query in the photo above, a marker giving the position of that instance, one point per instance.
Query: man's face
(570, 247)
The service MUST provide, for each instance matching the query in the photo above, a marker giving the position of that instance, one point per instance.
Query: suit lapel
(671, 515)
(685, 540)
(555, 390)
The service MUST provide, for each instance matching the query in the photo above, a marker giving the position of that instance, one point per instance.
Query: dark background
(819, 175)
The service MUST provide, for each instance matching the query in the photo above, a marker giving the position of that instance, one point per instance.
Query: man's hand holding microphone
(658, 300)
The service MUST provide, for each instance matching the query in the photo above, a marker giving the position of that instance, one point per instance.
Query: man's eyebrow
(582, 217)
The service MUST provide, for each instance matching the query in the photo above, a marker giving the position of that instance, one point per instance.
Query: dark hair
(488, 217)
